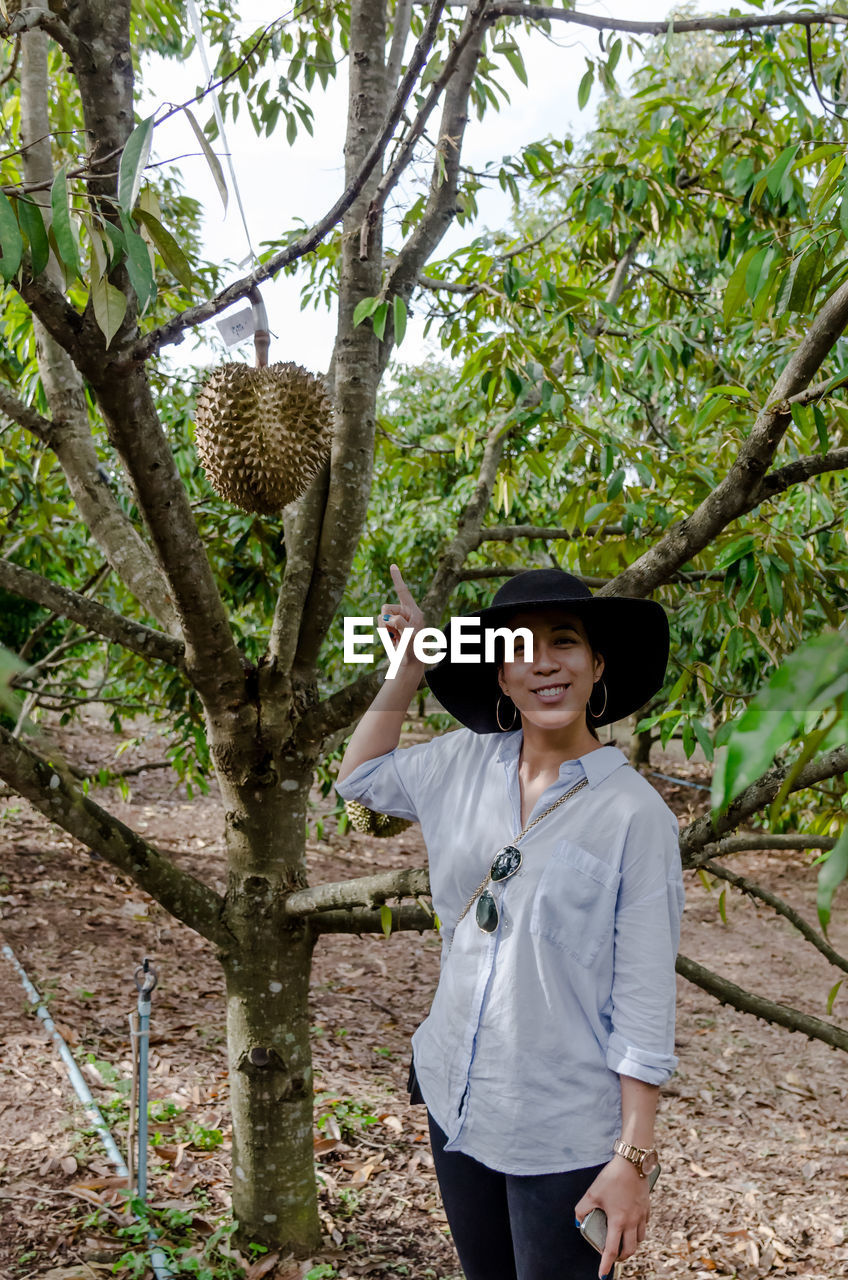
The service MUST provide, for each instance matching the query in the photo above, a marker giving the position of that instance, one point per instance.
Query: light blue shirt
(531, 1026)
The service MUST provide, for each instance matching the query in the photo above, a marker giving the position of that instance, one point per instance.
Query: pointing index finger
(404, 594)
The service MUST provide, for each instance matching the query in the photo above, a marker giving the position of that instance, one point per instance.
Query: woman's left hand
(626, 1200)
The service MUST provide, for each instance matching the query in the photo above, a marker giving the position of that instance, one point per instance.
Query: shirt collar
(596, 765)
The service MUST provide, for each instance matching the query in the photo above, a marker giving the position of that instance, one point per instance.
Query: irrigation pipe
(158, 1260)
(678, 782)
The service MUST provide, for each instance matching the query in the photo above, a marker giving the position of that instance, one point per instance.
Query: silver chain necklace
(484, 882)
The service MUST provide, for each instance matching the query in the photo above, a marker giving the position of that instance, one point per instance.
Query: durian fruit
(262, 434)
(370, 823)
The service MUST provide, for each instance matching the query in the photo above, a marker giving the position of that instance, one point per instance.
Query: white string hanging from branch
(194, 18)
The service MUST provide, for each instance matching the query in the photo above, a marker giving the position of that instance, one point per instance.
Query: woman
(556, 875)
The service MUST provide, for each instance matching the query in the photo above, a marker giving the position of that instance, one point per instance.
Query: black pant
(511, 1227)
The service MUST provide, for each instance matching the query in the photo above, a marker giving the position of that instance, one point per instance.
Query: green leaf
(735, 550)
(399, 318)
(99, 254)
(10, 666)
(831, 995)
(721, 908)
(211, 159)
(32, 225)
(726, 391)
(807, 682)
(109, 306)
(818, 153)
(585, 88)
(735, 292)
(806, 279)
(616, 483)
(139, 267)
(841, 376)
(386, 919)
(379, 318)
(116, 239)
(778, 168)
(515, 60)
(63, 231)
(826, 184)
(704, 739)
(514, 382)
(11, 240)
(171, 253)
(134, 157)
(596, 509)
(831, 875)
(363, 309)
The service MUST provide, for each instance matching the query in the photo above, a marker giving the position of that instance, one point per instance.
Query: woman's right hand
(403, 615)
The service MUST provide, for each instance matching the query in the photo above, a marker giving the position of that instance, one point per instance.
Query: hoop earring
(503, 727)
(596, 715)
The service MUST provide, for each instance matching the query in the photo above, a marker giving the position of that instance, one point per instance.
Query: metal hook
(146, 977)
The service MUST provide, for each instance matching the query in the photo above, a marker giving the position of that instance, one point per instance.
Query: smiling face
(552, 691)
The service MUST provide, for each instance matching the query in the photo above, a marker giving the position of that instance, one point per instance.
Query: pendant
(506, 863)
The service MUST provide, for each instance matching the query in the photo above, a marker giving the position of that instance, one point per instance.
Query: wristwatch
(644, 1158)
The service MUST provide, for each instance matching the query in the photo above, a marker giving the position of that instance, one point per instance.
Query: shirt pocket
(574, 906)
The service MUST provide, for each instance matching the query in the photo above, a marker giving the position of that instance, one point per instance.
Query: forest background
(641, 379)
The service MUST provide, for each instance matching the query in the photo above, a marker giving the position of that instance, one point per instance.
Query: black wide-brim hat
(631, 634)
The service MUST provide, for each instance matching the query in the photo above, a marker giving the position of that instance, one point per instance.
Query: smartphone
(594, 1226)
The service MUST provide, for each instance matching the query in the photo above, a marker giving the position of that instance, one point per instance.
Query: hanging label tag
(237, 327)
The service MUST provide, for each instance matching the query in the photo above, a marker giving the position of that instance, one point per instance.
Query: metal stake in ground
(145, 981)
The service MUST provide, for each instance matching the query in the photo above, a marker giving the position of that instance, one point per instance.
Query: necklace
(484, 882)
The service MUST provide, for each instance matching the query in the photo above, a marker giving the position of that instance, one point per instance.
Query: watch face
(649, 1162)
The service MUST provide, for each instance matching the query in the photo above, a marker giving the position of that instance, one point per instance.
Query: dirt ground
(751, 1128)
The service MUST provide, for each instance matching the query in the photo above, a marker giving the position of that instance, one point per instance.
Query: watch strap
(634, 1154)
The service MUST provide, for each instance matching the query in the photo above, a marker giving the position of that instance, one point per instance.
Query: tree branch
(24, 415)
(400, 34)
(468, 528)
(142, 640)
(508, 532)
(798, 471)
(361, 920)
(367, 891)
(676, 26)
(783, 1015)
(474, 26)
(440, 210)
(704, 831)
(32, 18)
(54, 311)
(69, 434)
(619, 281)
(782, 908)
(340, 710)
(47, 787)
(747, 842)
(476, 572)
(733, 495)
(173, 330)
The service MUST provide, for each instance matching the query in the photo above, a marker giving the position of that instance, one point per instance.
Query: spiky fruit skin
(261, 434)
(369, 823)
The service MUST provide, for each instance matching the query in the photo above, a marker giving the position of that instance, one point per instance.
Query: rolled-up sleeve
(647, 936)
(392, 783)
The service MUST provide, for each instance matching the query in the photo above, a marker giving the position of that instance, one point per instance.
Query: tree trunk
(265, 793)
(274, 1191)
(640, 748)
